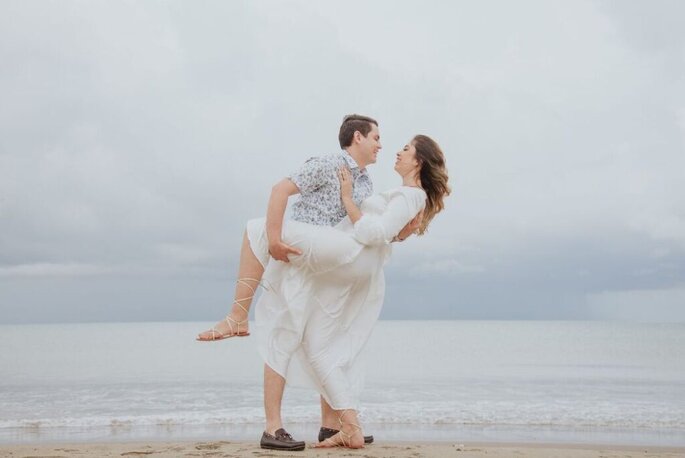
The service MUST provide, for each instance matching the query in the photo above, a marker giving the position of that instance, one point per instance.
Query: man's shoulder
(330, 159)
(341, 158)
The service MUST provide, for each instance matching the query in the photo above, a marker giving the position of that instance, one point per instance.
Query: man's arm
(274, 219)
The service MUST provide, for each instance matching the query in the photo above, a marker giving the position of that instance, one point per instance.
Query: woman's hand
(345, 178)
(410, 228)
(351, 208)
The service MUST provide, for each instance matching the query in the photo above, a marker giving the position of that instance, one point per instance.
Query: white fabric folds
(317, 312)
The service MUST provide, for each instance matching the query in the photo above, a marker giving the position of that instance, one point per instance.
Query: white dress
(316, 313)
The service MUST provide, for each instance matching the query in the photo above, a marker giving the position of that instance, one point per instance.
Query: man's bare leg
(250, 270)
(274, 385)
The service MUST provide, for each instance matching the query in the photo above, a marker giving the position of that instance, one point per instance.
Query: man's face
(370, 145)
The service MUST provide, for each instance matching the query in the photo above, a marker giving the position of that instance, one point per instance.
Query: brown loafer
(281, 440)
(325, 433)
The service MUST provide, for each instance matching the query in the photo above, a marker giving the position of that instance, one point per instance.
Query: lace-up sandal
(325, 433)
(233, 331)
(341, 438)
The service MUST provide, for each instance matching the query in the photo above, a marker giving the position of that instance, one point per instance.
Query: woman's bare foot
(234, 325)
(354, 440)
(350, 434)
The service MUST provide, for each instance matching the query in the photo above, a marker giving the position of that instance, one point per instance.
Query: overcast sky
(136, 138)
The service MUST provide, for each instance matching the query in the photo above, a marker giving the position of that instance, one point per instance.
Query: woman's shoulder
(411, 193)
(405, 190)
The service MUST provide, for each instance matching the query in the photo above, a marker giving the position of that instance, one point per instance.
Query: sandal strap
(244, 282)
(230, 321)
(343, 434)
(340, 420)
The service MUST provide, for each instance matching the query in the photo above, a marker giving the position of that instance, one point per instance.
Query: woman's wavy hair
(433, 176)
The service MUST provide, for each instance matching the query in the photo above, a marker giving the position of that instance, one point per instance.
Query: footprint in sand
(44, 456)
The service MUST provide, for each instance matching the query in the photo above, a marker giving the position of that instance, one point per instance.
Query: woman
(322, 305)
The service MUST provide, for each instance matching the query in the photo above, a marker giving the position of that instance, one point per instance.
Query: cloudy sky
(136, 138)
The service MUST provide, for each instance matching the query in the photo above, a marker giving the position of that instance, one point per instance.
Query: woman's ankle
(239, 316)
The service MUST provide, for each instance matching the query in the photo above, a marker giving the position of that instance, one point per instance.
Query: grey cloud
(137, 138)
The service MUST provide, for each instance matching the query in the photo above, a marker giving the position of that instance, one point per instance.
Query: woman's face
(406, 162)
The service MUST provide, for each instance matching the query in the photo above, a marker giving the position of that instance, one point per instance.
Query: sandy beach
(393, 449)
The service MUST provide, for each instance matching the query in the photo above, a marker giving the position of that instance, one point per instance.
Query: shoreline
(383, 432)
(501, 435)
(381, 449)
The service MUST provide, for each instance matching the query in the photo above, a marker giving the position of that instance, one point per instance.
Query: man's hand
(274, 219)
(280, 251)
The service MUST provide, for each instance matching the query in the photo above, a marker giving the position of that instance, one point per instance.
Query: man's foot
(231, 326)
(280, 440)
(325, 433)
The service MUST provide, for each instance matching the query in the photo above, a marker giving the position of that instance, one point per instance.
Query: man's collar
(351, 163)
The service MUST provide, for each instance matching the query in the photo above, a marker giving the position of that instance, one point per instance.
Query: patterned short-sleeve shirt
(319, 202)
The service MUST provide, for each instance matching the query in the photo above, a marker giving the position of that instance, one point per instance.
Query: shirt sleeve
(313, 173)
(380, 229)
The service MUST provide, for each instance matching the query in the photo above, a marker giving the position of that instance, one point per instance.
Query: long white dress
(317, 312)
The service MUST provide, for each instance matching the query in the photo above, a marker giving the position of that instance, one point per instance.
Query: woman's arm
(410, 228)
(398, 222)
(379, 229)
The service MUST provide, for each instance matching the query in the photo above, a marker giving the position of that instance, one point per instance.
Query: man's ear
(357, 136)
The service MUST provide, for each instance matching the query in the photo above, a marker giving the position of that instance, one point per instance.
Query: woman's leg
(328, 417)
(322, 357)
(250, 272)
(350, 434)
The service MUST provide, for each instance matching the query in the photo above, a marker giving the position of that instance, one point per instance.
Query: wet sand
(377, 450)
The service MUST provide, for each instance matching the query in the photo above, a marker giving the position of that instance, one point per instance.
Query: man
(319, 203)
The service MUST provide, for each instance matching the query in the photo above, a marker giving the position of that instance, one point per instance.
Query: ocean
(495, 381)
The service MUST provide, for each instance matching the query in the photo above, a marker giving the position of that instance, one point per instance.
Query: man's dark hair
(351, 124)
